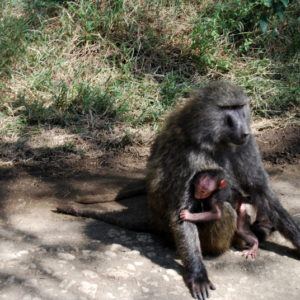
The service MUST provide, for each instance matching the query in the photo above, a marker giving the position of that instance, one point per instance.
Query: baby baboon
(215, 217)
(205, 185)
(210, 131)
(217, 236)
(244, 231)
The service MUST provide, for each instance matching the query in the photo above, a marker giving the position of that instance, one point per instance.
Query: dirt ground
(46, 255)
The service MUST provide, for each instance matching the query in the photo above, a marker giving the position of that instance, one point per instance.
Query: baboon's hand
(200, 286)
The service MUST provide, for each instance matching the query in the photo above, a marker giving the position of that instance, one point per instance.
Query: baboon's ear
(222, 184)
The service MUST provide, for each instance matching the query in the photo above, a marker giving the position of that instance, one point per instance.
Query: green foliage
(12, 31)
(217, 28)
(69, 108)
(266, 10)
(74, 62)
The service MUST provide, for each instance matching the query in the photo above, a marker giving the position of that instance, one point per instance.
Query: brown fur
(216, 236)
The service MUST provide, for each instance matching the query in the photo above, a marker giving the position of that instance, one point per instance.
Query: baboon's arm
(279, 217)
(188, 246)
(255, 181)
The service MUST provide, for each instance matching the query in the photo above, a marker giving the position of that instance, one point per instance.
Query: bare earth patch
(45, 255)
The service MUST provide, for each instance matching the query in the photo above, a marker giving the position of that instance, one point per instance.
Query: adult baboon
(210, 131)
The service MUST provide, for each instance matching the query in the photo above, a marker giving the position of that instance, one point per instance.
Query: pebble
(133, 252)
(144, 238)
(32, 266)
(8, 256)
(174, 293)
(131, 267)
(110, 296)
(42, 250)
(10, 279)
(117, 274)
(29, 297)
(66, 256)
(22, 252)
(31, 282)
(151, 254)
(86, 252)
(166, 278)
(66, 284)
(110, 253)
(90, 274)
(113, 233)
(115, 247)
(145, 290)
(171, 272)
(125, 238)
(243, 280)
(89, 288)
(154, 283)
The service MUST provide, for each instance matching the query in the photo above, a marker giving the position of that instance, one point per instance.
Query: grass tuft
(85, 63)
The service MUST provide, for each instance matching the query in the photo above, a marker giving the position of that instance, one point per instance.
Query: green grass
(129, 62)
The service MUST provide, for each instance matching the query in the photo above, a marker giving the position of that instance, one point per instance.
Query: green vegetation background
(102, 62)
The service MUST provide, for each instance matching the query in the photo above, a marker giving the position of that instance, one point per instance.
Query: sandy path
(44, 255)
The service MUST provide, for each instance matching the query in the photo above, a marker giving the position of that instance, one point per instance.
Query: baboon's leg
(279, 217)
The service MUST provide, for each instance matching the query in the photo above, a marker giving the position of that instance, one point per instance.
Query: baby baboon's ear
(222, 184)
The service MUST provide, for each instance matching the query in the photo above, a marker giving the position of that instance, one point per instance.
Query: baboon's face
(236, 124)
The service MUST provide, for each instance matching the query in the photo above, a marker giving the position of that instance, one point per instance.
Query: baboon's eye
(232, 107)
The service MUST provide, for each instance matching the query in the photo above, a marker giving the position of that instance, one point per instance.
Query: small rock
(32, 266)
(115, 247)
(174, 293)
(66, 284)
(110, 253)
(66, 256)
(143, 238)
(154, 283)
(133, 252)
(117, 274)
(131, 267)
(22, 252)
(31, 282)
(166, 278)
(90, 274)
(151, 254)
(86, 252)
(113, 233)
(124, 238)
(171, 272)
(11, 279)
(89, 288)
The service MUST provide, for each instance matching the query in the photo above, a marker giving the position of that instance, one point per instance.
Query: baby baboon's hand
(184, 215)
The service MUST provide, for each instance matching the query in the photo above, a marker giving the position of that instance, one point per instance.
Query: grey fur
(211, 131)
